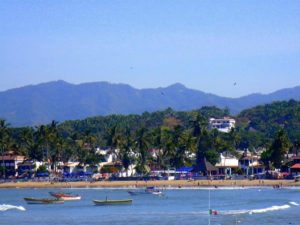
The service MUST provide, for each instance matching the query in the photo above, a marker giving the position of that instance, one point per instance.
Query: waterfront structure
(295, 168)
(223, 125)
(206, 168)
(9, 162)
(29, 167)
(250, 163)
(226, 164)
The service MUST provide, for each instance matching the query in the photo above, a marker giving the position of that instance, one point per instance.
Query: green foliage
(110, 169)
(278, 149)
(105, 169)
(174, 136)
(42, 168)
(212, 156)
(267, 120)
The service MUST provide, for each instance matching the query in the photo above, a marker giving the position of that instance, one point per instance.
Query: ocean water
(251, 206)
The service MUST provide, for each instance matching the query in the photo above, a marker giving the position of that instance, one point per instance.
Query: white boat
(65, 196)
(148, 190)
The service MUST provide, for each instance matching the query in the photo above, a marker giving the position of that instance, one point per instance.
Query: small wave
(5, 207)
(255, 211)
(234, 212)
(269, 209)
(294, 203)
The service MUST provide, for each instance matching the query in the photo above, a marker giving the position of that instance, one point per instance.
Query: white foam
(5, 207)
(254, 211)
(269, 209)
(294, 203)
(233, 212)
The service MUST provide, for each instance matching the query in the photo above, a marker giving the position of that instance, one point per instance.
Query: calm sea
(178, 206)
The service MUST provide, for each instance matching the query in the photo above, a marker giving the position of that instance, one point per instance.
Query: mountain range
(60, 101)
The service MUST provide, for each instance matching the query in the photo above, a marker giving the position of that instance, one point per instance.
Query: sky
(228, 48)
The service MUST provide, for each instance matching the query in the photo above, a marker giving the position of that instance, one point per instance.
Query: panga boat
(43, 200)
(113, 202)
(65, 196)
(148, 190)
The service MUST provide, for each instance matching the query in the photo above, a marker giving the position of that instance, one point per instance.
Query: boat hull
(138, 193)
(43, 201)
(70, 198)
(65, 196)
(147, 191)
(113, 202)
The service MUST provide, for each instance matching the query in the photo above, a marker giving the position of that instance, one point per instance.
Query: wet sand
(160, 183)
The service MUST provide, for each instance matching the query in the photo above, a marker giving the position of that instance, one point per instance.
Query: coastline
(159, 183)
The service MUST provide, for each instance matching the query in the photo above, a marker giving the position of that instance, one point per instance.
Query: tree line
(177, 138)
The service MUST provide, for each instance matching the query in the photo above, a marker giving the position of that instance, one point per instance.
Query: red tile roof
(12, 157)
(296, 166)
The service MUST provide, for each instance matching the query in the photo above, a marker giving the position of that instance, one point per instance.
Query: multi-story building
(250, 163)
(226, 164)
(223, 125)
(9, 162)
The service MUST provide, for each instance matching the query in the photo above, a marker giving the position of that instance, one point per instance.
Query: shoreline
(158, 183)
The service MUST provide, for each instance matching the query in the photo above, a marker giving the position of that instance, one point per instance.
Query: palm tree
(125, 145)
(68, 150)
(42, 140)
(48, 138)
(141, 147)
(28, 145)
(56, 144)
(4, 141)
(158, 144)
(199, 124)
(111, 137)
(183, 147)
(279, 148)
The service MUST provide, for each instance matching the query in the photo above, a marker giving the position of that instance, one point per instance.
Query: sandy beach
(160, 183)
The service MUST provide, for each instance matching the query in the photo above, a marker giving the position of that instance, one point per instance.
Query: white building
(226, 164)
(223, 125)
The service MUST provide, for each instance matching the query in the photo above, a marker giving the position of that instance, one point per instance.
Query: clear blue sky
(205, 45)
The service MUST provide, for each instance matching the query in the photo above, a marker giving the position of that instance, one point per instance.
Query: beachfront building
(206, 168)
(9, 163)
(168, 174)
(28, 167)
(295, 168)
(75, 170)
(223, 125)
(70, 167)
(227, 164)
(109, 155)
(250, 163)
(76, 167)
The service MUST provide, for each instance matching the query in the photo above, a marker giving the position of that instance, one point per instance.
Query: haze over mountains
(59, 100)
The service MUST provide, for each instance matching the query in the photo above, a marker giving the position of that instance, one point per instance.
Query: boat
(148, 190)
(43, 200)
(113, 202)
(153, 190)
(65, 196)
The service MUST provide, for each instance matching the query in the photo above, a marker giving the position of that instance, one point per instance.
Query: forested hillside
(61, 101)
(177, 135)
(268, 119)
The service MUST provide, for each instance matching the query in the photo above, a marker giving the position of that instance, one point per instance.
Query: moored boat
(153, 190)
(113, 202)
(65, 196)
(43, 200)
(148, 190)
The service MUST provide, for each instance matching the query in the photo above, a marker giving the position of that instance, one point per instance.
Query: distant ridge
(59, 100)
